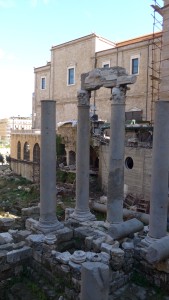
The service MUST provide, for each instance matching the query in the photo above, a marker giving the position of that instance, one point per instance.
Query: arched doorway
(26, 151)
(36, 163)
(19, 150)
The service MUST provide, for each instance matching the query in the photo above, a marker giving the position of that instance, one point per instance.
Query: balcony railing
(25, 131)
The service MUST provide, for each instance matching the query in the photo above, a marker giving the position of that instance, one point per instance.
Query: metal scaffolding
(156, 54)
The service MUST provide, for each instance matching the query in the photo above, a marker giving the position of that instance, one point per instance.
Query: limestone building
(13, 123)
(60, 78)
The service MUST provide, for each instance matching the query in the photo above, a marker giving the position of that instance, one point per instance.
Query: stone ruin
(94, 258)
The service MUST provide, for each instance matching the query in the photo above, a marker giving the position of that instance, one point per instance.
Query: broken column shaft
(95, 281)
(48, 220)
(160, 171)
(115, 194)
(82, 211)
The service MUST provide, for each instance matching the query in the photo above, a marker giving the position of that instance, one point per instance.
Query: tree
(8, 159)
(1, 159)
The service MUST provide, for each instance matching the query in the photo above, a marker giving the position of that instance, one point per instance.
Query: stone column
(48, 220)
(160, 156)
(115, 194)
(82, 212)
(164, 69)
(160, 171)
(95, 281)
(67, 157)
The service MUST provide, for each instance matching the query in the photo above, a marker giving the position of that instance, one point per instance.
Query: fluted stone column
(115, 194)
(48, 220)
(82, 212)
(160, 172)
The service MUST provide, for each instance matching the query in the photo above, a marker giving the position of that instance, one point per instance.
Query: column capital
(119, 94)
(83, 97)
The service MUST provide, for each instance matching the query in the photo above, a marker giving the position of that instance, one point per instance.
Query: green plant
(100, 216)
(36, 290)
(60, 148)
(60, 212)
(63, 176)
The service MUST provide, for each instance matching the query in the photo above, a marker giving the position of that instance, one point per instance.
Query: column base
(148, 240)
(47, 227)
(82, 216)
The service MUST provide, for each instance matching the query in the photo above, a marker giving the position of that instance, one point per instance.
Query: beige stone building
(13, 123)
(25, 154)
(60, 79)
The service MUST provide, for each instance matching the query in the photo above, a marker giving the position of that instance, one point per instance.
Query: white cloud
(7, 3)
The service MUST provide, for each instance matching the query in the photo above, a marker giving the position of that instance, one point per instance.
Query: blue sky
(29, 28)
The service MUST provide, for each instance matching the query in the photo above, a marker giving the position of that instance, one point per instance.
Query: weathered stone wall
(73, 245)
(26, 169)
(29, 137)
(138, 178)
(156, 274)
(68, 132)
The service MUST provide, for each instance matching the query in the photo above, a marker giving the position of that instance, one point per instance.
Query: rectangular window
(106, 64)
(43, 83)
(133, 115)
(135, 65)
(71, 76)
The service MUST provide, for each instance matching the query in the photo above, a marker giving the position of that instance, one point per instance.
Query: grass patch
(100, 216)
(17, 191)
(65, 177)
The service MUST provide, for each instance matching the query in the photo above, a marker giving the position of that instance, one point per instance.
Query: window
(19, 150)
(43, 83)
(133, 115)
(71, 76)
(26, 151)
(134, 65)
(129, 162)
(36, 153)
(106, 64)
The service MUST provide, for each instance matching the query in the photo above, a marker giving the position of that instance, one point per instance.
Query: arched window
(26, 151)
(36, 153)
(19, 150)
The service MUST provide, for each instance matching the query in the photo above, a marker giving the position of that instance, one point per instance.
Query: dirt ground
(17, 192)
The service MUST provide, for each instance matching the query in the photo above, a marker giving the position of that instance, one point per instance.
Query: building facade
(61, 78)
(13, 123)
